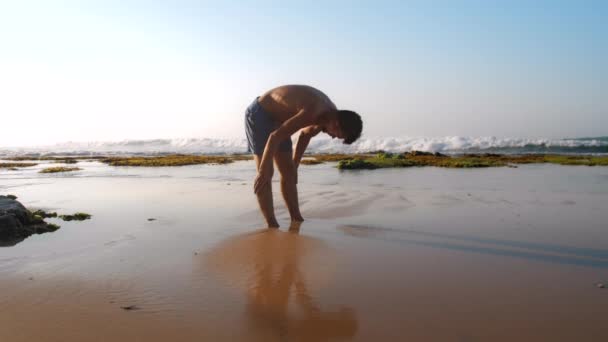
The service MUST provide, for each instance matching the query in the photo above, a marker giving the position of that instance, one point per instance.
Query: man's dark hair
(350, 124)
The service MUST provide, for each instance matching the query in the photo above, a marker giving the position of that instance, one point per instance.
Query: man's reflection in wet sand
(279, 303)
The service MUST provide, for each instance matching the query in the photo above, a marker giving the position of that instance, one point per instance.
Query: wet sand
(415, 254)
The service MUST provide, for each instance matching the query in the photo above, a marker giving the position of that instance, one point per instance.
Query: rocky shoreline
(17, 222)
(372, 160)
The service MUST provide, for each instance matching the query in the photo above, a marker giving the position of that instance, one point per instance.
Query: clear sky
(112, 70)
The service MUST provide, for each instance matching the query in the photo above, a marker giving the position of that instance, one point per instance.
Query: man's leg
(288, 184)
(265, 198)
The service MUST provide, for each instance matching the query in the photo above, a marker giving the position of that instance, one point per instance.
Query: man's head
(344, 124)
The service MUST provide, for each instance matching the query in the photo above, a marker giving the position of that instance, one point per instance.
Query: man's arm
(303, 139)
(303, 118)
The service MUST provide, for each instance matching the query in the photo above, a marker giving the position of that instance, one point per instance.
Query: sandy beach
(417, 254)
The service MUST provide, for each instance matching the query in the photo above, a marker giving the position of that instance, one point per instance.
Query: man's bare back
(286, 101)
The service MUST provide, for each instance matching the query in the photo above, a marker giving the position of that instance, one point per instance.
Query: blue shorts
(258, 126)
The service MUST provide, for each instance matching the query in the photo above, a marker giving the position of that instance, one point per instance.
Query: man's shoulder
(293, 91)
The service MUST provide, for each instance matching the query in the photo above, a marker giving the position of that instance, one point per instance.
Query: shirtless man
(269, 123)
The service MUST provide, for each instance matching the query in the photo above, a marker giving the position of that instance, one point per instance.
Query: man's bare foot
(297, 219)
(294, 227)
(273, 224)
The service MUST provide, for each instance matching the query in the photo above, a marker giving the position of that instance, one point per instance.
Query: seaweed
(354, 164)
(310, 162)
(334, 157)
(12, 166)
(76, 217)
(66, 161)
(417, 158)
(172, 160)
(57, 169)
(51, 227)
(52, 158)
(44, 214)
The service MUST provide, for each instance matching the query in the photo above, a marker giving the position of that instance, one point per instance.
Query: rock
(600, 285)
(17, 223)
(151, 219)
(9, 226)
(130, 307)
(9, 206)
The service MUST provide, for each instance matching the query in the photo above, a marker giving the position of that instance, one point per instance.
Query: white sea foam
(321, 145)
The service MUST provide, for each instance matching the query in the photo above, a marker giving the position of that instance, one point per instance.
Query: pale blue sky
(110, 70)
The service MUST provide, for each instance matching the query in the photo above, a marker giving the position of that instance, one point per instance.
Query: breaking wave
(453, 144)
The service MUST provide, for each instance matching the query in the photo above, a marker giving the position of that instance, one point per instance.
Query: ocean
(447, 144)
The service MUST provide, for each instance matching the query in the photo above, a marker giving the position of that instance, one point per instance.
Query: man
(269, 123)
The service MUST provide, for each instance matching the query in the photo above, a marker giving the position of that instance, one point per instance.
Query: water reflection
(278, 271)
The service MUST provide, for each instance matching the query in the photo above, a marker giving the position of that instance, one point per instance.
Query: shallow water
(420, 254)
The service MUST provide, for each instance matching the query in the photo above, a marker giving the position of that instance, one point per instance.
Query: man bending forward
(269, 123)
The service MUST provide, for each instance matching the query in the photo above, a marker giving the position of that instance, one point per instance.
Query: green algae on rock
(37, 218)
(577, 160)
(75, 217)
(353, 164)
(57, 169)
(417, 158)
(44, 214)
(334, 157)
(66, 161)
(52, 158)
(52, 227)
(12, 166)
(173, 160)
(310, 162)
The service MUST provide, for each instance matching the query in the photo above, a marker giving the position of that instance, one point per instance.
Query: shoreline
(345, 161)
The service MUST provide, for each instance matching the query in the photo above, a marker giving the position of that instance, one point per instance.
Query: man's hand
(262, 179)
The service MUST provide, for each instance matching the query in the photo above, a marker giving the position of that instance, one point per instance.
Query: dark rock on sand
(17, 223)
(130, 307)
